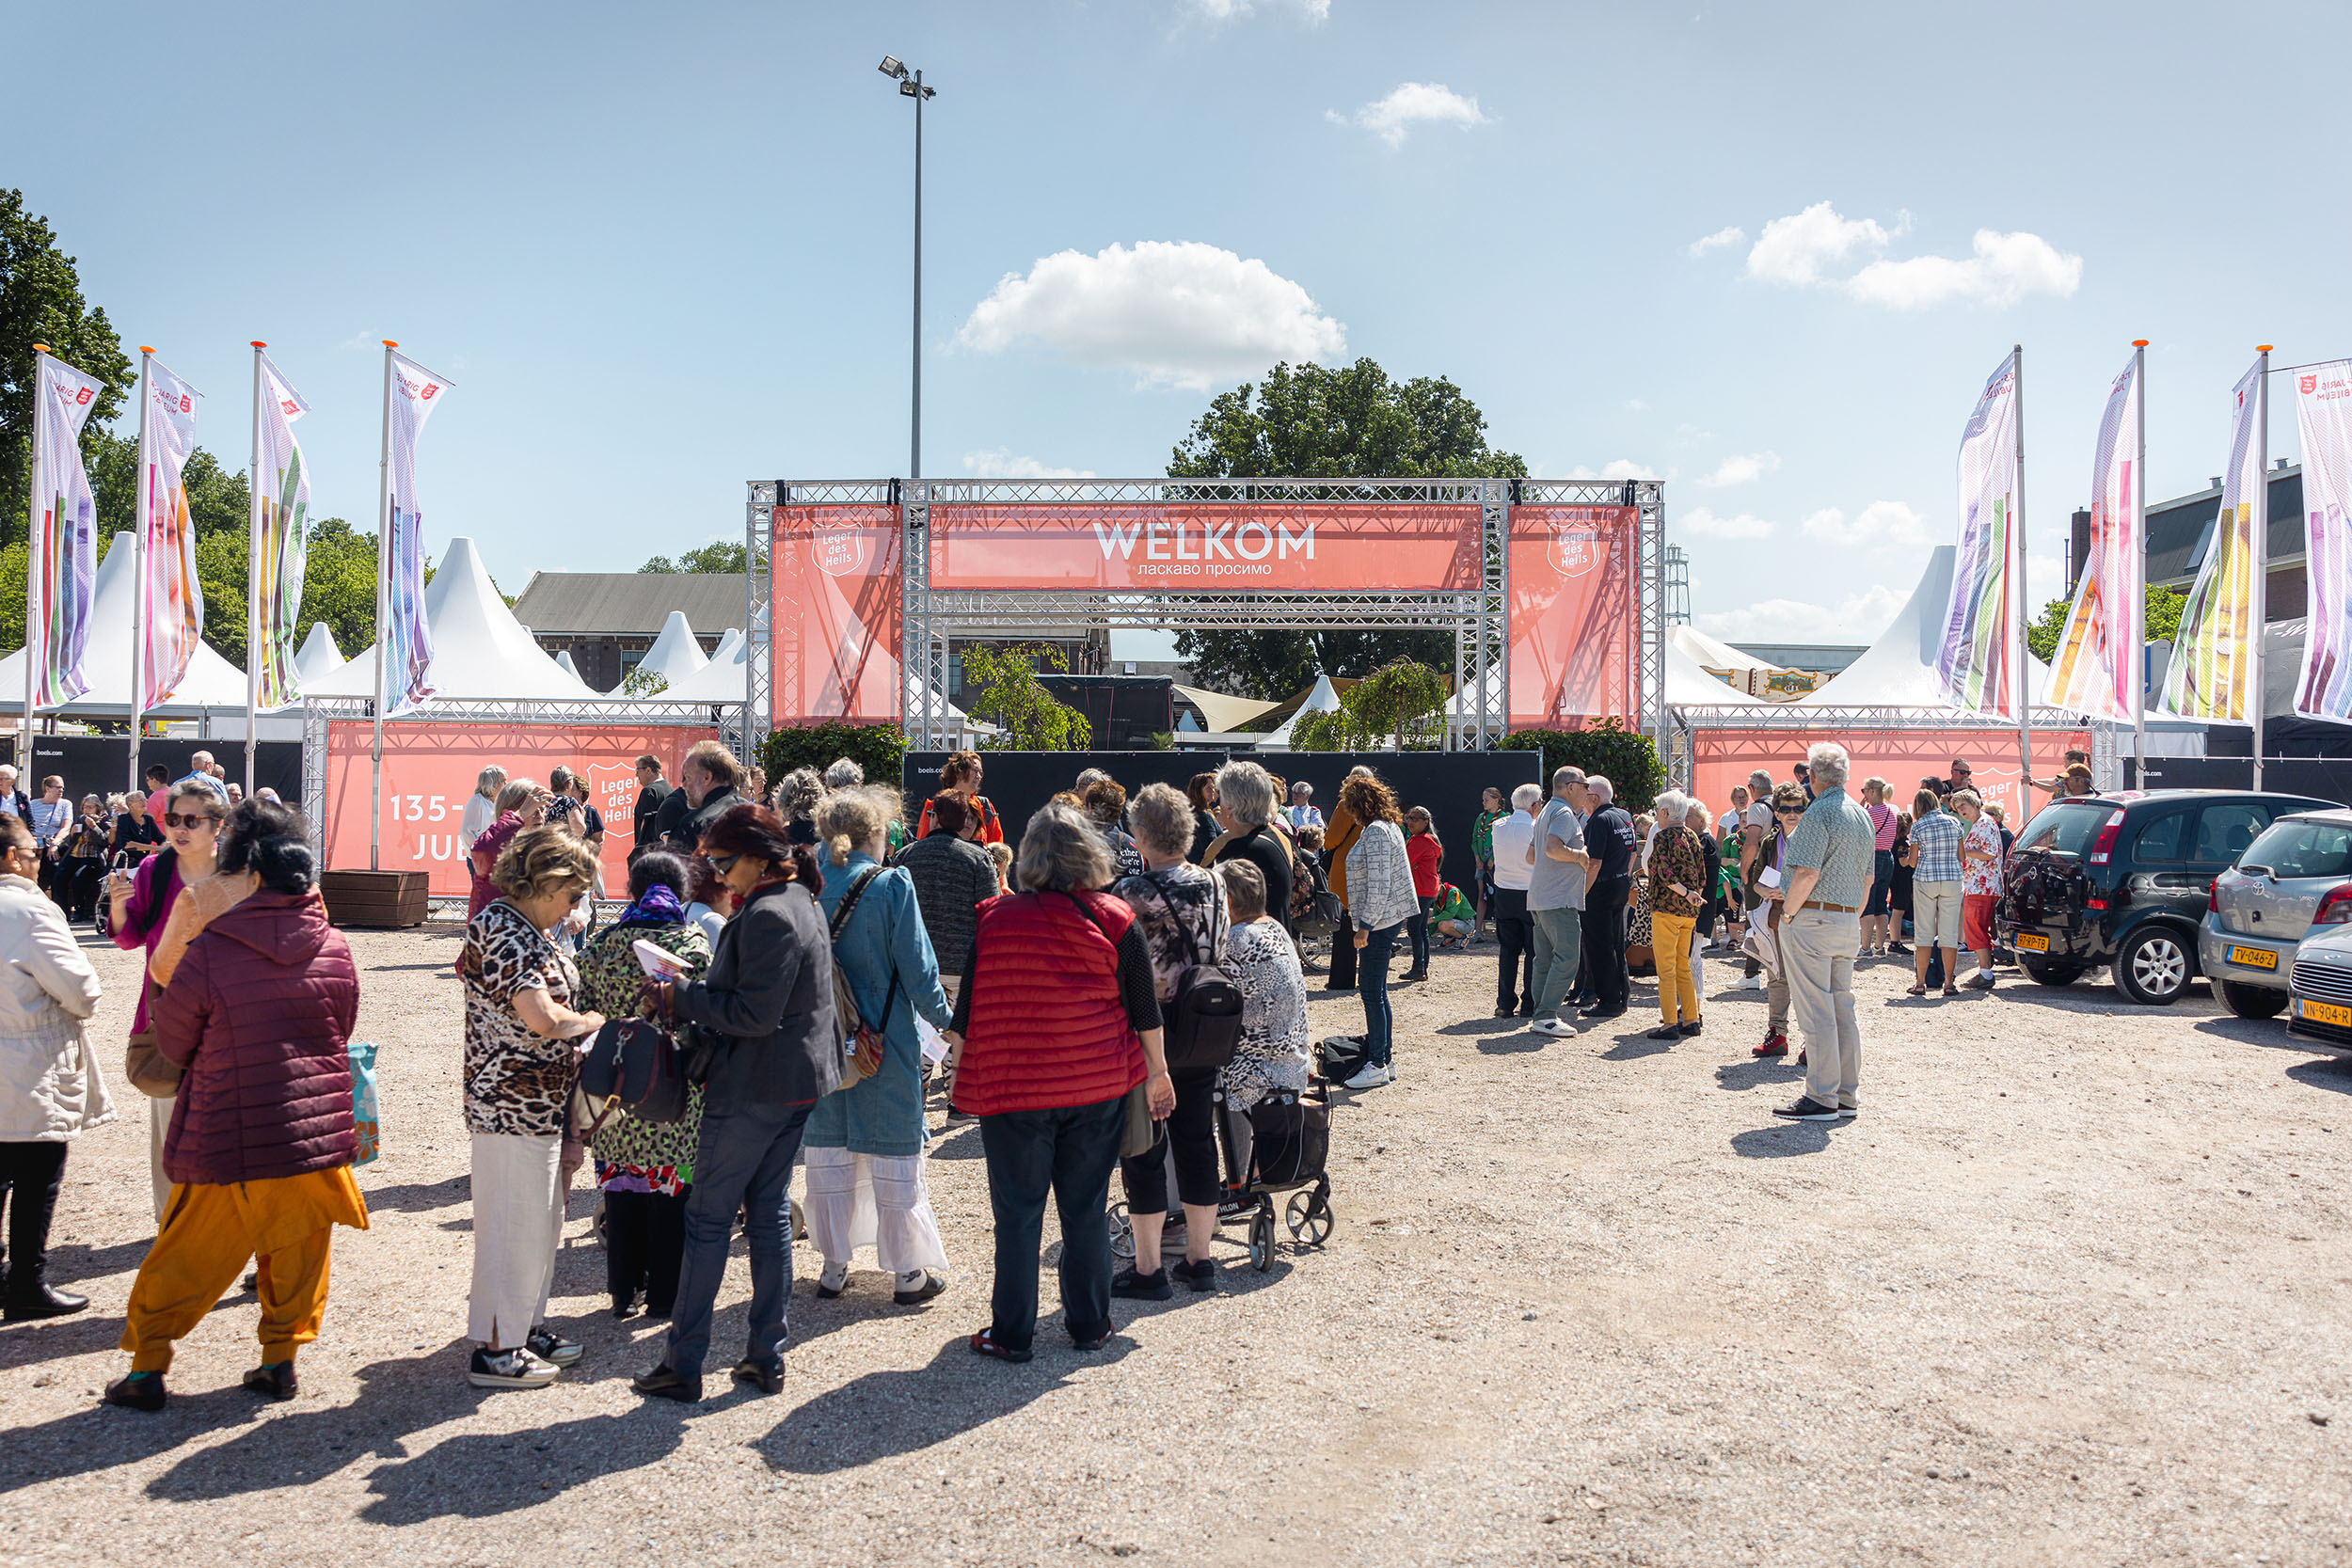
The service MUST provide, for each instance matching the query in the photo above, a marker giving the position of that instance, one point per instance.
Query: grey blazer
(768, 995)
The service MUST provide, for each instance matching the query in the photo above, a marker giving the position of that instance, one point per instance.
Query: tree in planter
(1379, 707)
(1013, 701)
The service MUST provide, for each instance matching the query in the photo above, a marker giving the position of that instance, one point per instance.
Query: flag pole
(253, 629)
(145, 491)
(2139, 569)
(32, 566)
(2023, 687)
(383, 601)
(2261, 547)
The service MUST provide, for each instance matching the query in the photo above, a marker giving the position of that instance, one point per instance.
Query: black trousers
(1065, 1155)
(644, 1241)
(1604, 941)
(1342, 959)
(30, 1175)
(1516, 981)
(1189, 1135)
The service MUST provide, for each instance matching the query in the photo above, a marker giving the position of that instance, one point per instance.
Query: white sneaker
(1752, 982)
(1371, 1077)
(1559, 1028)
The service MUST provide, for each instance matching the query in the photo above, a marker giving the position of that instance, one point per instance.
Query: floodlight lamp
(892, 66)
(908, 89)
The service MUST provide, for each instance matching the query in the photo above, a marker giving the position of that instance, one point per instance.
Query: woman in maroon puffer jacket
(259, 1013)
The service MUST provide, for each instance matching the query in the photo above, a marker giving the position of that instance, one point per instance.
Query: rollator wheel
(1262, 1239)
(1122, 1232)
(1309, 1217)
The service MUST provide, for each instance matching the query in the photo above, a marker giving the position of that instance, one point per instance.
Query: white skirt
(877, 1200)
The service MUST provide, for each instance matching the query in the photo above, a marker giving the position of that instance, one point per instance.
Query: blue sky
(663, 251)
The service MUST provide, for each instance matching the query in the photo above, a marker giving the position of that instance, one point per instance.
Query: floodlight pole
(910, 85)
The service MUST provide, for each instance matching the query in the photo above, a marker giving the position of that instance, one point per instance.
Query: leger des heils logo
(1577, 547)
(840, 551)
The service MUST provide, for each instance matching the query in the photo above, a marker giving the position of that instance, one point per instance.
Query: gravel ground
(2072, 1290)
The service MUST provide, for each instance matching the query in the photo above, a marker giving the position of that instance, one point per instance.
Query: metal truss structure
(1478, 618)
(1830, 721)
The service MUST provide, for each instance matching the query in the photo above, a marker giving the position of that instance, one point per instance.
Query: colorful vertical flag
(2210, 675)
(407, 642)
(2097, 667)
(1975, 662)
(283, 547)
(174, 609)
(2323, 415)
(62, 569)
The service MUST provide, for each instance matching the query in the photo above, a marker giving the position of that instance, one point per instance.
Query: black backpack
(633, 1067)
(1201, 1024)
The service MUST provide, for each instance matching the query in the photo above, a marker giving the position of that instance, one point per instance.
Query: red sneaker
(1775, 1044)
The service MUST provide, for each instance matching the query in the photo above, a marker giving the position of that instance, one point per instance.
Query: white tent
(478, 649)
(211, 681)
(719, 680)
(1325, 698)
(318, 658)
(1691, 684)
(563, 661)
(1898, 669)
(674, 654)
(730, 645)
(1712, 653)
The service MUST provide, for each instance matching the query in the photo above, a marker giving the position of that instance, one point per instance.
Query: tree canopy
(1311, 423)
(723, 556)
(40, 302)
(2163, 621)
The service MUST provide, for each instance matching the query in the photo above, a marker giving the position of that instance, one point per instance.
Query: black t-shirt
(592, 820)
(146, 830)
(1609, 837)
(682, 825)
(649, 801)
(1264, 850)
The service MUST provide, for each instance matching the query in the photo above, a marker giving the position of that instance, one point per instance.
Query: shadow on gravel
(310, 1442)
(2334, 1073)
(1523, 1043)
(1635, 1046)
(885, 1414)
(53, 1340)
(957, 1143)
(415, 1197)
(1483, 1026)
(74, 1261)
(1758, 1073)
(1779, 1143)
(480, 1475)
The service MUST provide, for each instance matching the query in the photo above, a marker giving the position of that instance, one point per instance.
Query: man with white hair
(1303, 814)
(1830, 859)
(13, 801)
(845, 773)
(1608, 834)
(1555, 898)
(1515, 842)
(200, 774)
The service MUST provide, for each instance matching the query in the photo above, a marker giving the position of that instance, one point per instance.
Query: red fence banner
(1330, 547)
(430, 770)
(1575, 616)
(1725, 757)
(835, 611)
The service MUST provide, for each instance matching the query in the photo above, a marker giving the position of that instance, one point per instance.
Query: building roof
(1822, 658)
(628, 604)
(2179, 529)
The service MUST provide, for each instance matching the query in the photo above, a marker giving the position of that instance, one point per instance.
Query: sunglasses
(194, 819)
(722, 863)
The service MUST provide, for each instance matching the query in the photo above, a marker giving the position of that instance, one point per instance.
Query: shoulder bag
(863, 1046)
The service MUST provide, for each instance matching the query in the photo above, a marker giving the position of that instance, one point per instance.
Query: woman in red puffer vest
(1058, 1019)
(259, 1013)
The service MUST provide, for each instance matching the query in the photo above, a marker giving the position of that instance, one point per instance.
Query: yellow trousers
(1670, 940)
(208, 1233)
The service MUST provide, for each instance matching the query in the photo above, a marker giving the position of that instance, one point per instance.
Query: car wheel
(2045, 973)
(2255, 1001)
(2155, 966)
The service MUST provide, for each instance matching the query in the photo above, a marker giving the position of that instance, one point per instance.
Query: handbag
(633, 1066)
(152, 1073)
(366, 1110)
(864, 1045)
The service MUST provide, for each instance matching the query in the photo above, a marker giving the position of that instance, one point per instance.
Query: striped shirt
(1835, 838)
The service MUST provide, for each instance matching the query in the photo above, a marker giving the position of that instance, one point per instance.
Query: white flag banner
(173, 612)
(2323, 415)
(2098, 662)
(62, 569)
(285, 482)
(1979, 642)
(407, 643)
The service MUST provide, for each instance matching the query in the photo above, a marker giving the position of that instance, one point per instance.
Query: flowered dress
(1272, 1051)
(635, 1156)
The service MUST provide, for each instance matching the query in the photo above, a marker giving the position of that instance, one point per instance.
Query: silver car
(2322, 1010)
(2293, 881)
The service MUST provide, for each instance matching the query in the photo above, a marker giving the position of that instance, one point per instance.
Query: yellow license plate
(2326, 1012)
(2033, 943)
(2254, 957)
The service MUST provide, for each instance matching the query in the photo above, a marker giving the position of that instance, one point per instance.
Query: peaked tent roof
(675, 654)
(211, 682)
(719, 680)
(478, 649)
(318, 657)
(1691, 684)
(1712, 653)
(1898, 669)
(1322, 698)
(564, 660)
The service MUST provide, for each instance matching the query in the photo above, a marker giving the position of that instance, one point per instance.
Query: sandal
(985, 1343)
(1918, 991)
(1951, 990)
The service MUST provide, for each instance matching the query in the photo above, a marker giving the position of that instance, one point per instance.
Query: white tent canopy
(719, 680)
(564, 660)
(1325, 698)
(1712, 653)
(478, 649)
(1691, 684)
(674, 654)
(1898, 669)
(211, 681)
(318, 658)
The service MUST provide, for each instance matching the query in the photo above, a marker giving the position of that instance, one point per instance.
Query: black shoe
(275, 1379)
(765, 1376)
(960, 1119)
(1695, 1026)
(986, 1343)
(1527, 1009)
(663, 1384)
(1601, 1015)
(1200, 1276)
(1142, 1287)
(138, 1391)
(1805, 1108)
(625, 1307)
(1412, 978)
(1665, 1032)
(932, 1284)
(1091, 1341)
(1507, 1009)
(1899, 950)
(41, 1302)
(552, 1348)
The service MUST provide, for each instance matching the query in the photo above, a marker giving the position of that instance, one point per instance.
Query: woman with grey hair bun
(845, 773)
(797, 794)
(1244, 809)
(1058, 1018)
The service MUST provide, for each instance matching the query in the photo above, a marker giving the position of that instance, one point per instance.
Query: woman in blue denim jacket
(864, 1143)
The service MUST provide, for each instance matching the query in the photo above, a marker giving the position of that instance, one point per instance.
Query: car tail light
(2213, 897)
(2105, 844)
(2336, 908)
(2098, 903)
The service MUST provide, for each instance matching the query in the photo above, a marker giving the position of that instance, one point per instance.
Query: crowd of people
(80, 842)
(824, 973)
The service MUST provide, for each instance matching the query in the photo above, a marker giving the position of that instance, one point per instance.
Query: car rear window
(2160, 840)
(2293, 849)
(2227, 828)
(2067, 827)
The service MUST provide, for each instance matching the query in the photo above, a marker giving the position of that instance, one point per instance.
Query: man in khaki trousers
(1831, 859)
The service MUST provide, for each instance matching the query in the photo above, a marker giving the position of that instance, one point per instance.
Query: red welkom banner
(1192, 546)
(1574, 617)
(430, 769)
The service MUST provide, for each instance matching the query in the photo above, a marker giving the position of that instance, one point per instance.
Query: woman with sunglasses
(523, 1044)
(140, 906)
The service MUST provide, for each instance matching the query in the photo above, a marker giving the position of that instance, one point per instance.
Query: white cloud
(1793, 251)
(1217, 11)
(1173, 313)
(2004, 269)
(1001, 463)
(1881, 524)
(1637, 405)
(1691, 435)
(1860, 618)
(1740, 470)
(1700, 521)
(1623, 468)
(1391, 119)
(1728, 234)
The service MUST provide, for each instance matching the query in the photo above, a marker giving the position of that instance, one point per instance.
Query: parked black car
(2123, 880)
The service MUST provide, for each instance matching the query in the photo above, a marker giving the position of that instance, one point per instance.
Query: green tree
(1311, 423)
(40, 302)
(1379, 708)
(1012, 699)
(339, 583)
(723, 558)
(2163, 621)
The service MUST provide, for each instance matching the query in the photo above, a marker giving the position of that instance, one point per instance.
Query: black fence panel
(95, 764)
(2324, 779)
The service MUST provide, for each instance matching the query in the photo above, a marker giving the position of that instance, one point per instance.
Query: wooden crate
(377, 899)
